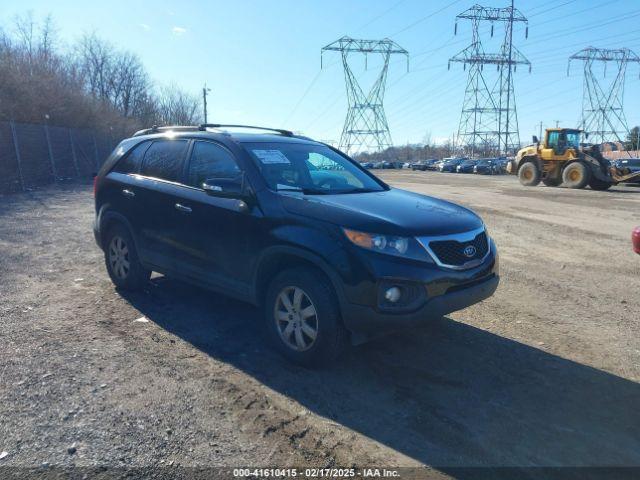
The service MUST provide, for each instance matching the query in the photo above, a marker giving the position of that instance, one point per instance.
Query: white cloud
(144, 26)
(179, 31)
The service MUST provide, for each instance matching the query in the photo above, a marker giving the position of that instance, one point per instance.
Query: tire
(552, 182)
(529, 174)
(597, 184)
(121, 259)
(292, 332)
(576, 175)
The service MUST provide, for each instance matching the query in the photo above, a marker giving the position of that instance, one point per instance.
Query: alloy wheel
(119, 257)
(296, 319)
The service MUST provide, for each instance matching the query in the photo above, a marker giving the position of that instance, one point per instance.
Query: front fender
(308, 248)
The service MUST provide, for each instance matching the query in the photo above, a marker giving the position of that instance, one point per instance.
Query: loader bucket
(617, 176)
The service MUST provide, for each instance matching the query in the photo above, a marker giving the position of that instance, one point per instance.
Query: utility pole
(540, 134)
(557, 123)
(489, 121)
(603, 105)
(506, 133)
(205, 91)
(365, 127)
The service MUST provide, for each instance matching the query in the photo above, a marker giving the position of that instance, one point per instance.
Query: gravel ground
(545, 373)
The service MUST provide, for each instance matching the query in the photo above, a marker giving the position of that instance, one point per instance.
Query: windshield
(573, 139)
(309, 168)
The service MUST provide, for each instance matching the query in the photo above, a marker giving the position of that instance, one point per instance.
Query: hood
(392, 212)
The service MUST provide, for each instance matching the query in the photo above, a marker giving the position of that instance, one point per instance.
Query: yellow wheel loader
(561, 158)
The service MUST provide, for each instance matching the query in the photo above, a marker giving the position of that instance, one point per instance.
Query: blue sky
(262, 58)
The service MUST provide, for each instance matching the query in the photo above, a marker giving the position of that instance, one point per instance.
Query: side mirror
(226, 187)
(535, 139)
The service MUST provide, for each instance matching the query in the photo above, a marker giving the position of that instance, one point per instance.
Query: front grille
(452, 252)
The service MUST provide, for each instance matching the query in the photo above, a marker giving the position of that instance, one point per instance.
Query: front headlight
(391, 245)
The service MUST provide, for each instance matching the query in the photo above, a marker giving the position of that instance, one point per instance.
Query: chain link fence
(33, 155)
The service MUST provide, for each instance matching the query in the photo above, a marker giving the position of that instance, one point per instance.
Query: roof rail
(286, 133)
(175, 128)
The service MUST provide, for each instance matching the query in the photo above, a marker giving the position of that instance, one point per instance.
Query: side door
(121, 186)
(157, 192)
(214, 232)
(551, 145)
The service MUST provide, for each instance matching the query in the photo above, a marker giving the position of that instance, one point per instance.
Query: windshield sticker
(271, 157)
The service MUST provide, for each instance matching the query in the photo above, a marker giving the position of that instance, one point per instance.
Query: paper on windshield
(271, 157)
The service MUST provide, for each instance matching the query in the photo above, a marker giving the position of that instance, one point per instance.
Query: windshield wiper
(358, 190)
(306, 191)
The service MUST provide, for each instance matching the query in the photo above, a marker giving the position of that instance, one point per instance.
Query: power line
(417, 22)
(562, 18)
(553, 8)
(378, 17)
(304, 95)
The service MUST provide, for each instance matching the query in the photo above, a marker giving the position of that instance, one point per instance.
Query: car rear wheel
(576, 175)
(528, 174)
(303, 319)
(121, 259)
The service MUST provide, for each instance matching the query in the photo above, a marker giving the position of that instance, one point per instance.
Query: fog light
(392, 294)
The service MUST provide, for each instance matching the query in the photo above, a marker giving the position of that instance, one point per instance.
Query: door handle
(128, 193)
(183, 208)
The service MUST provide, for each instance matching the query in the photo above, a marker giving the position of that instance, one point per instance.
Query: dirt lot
(545, 373)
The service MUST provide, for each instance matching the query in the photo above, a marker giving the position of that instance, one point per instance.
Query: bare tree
(94, 85)
(176, 107)
(94, 57)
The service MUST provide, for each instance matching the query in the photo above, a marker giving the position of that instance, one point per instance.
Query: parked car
(406, 165)
(419, 165)
(629, 165)
(328, 254)
(388, 165)
(501, 165)
(635, 240)
(367, 165)
(486, 166)
(450, 164)
(432, 164)
(466, 166)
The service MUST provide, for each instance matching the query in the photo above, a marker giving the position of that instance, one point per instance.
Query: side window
(209, 160)
(130, 163)
(553, 139)
(163, 159)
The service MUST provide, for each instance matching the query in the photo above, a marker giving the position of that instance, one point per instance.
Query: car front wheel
(303, 319)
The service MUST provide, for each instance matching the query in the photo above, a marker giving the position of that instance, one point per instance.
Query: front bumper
(443, 291)
(361, 319)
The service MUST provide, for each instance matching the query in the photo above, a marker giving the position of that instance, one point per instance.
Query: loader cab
(560, 144)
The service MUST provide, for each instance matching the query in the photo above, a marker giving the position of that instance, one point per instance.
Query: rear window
(163, 159)
(130, 163)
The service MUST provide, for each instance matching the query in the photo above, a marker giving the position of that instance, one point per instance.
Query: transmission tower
(603, 105)
(489, 121)
(365, 127)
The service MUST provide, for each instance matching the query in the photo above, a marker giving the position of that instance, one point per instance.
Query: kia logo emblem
(469, 251)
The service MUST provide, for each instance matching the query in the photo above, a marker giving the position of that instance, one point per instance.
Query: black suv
(331, 252)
